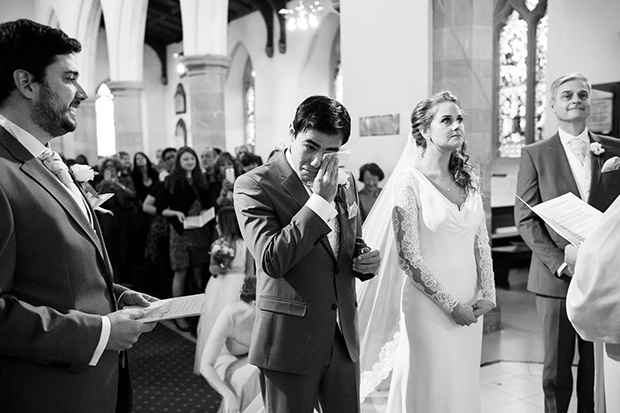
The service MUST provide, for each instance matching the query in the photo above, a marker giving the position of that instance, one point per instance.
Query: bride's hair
(421, 119)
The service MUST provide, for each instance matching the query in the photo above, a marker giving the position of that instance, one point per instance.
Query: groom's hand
(367, 263)
(326, 181)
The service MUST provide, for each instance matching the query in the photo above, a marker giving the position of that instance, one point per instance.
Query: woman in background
(370, 176)
(230, 264)
(225, 172)
(224, 361)
(185, 194)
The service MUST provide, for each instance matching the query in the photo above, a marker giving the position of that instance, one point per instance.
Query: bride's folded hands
(481, 307)
(463, 315)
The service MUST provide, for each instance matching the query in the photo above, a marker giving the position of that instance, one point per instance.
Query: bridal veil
(379, 298)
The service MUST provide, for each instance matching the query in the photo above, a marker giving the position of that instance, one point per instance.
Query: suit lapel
(596, 163)
(33, 167)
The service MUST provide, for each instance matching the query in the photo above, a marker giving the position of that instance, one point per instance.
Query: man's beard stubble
(50, 114)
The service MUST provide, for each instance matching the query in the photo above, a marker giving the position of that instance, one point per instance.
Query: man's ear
(291, 131)
(24, 82)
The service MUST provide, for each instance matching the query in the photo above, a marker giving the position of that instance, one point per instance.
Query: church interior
(230, 73)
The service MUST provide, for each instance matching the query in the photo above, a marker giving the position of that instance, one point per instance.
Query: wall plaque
(380, 125)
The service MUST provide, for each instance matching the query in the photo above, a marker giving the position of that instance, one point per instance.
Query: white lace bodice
(449, 230)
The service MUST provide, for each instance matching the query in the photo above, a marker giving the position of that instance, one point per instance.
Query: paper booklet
(569, 216)
(200, 220)
(178, 307)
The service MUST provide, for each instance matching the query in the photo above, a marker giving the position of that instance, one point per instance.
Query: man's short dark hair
(32, 47)
(167, 151)
(324, 115)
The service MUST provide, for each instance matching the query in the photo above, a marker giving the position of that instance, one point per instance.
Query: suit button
(334, 307)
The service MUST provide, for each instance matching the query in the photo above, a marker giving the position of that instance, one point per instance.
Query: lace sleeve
(405, 224)
(486, 279)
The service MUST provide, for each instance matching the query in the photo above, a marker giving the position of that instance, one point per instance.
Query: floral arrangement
(223, 253)
(83, 174)
(596, 148)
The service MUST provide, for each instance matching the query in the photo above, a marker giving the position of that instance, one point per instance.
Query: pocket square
(352, 210)
(611, 164)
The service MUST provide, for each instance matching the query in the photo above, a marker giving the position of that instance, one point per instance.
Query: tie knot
(55, 164)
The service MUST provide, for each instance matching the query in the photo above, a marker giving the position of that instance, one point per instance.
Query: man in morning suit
(548, 169)
(62, 339)
(300, 224)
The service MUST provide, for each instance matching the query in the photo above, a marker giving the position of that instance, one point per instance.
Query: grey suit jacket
(301, 283)
(55, 282)
(544, 174)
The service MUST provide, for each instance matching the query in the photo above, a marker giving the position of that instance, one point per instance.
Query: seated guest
(370, 176)
(224, 360)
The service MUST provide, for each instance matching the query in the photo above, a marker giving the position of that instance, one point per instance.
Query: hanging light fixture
(301, 16)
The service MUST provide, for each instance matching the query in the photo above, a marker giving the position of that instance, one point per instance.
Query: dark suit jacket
(300, 281)
(55, 282)
(544, 174)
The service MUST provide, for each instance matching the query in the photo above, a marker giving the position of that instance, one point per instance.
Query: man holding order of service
(572, 160)
(62, 337)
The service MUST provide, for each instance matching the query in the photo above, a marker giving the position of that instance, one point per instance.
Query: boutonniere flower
(343, 178)
(83, 174)
(596, 148)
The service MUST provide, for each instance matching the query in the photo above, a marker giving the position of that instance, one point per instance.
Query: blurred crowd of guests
(144, 234)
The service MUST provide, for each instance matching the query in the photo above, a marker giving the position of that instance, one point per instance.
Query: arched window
(249, 94)
(337, 92)
(104, 113)
(180, 134)
(521, 59)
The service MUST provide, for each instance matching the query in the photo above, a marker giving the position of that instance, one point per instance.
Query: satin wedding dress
(438, 361)
(406, 329)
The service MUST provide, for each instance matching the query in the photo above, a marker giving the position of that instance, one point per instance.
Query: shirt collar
(32, 144)
(566, 137)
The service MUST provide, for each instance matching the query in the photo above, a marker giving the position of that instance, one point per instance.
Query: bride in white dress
(436, 264)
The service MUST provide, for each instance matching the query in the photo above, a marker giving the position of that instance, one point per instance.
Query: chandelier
(301, 16)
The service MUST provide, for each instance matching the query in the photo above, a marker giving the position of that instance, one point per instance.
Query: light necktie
(54, 163)
(579, 148)
(334, 236)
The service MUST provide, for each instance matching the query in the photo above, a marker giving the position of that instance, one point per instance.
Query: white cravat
(579, 148)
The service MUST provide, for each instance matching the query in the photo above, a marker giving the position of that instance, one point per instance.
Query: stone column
(206, 77)
(128, 116)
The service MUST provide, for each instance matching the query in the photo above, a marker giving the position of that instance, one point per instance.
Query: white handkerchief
(611, 164)
(352, 210)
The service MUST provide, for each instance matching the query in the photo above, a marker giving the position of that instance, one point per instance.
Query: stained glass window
(521, 74)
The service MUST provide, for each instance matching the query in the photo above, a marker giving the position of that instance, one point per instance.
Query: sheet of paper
(569, 216)
(170, 308)
(200, 220)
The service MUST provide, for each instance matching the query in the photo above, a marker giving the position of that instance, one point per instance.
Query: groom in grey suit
(548, 169)
(301, 225)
